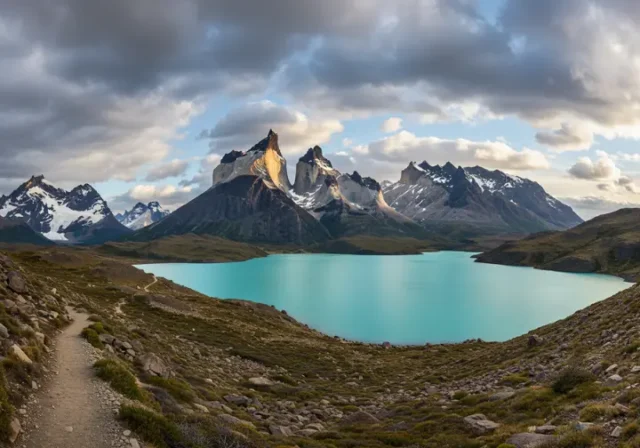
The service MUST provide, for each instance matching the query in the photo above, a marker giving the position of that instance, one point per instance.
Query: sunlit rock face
(311, 171)
(263, 160)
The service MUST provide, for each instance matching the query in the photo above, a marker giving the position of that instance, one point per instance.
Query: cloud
(174, 168)
(169, 196)
(567, 138)
(603, 169)
(241, 128)
(385, 158)
(392, 124)
(591, 206)
(405, 146)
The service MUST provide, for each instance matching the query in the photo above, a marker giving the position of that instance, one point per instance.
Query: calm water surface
(412, 299)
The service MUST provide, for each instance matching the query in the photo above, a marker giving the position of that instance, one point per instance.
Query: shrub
(152, 427)
(6, 410)
(570, 378)
(631, 348)
(595, 412)
(630, 430)
(575, 439)
(119, 377)
(506, 445)
(92, 337)
(178, 389)
(514, 380)
(459, 395)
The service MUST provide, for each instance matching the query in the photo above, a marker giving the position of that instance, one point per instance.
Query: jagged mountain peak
(142, 215)
(80, 215)
(486, 201)
(263, 160)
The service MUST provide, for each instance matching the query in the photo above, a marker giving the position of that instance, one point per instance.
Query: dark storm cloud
(95, 90)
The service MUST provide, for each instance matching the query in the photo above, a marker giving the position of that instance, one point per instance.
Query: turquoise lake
(409, 299)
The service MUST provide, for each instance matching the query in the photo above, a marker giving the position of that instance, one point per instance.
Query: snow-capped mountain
(76, 216)
(476, 200)
(346, 204)
(142, 215)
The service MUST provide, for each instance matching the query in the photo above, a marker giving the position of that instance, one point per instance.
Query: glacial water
(412, 299)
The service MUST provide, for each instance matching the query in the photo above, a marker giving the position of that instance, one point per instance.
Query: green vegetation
(570, 378)
(177, 388)
(120, 378)
(92, 337)
(152, 427)
(6, 410)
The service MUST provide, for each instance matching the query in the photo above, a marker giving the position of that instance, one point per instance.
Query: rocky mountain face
(608, 243)
(142, 215)
(346, 204)
(76, 216)
(16, 231)
(248, 201)
(476, 201)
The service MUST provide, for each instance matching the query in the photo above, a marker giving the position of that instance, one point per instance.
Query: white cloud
(169, 196)
(603, 170)
(591, 206)
(405, 146)
(569, 137)
(241, 128)
(174, 168)
(392, 124)
(346, 142)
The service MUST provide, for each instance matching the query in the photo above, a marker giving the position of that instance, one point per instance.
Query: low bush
(120, 378)
(152, 427)
(514, 380)
(6, 410)
(92, 337)
(178, 389)
(596, 412)
(570, 378)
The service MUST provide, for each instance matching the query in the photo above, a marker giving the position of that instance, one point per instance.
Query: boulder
(106, 339)
(535, 340)
(480, 424)
(14, 430)
(504, 395)
(238, 400)
(617, 432)
(529, 440)
(545, 429)
(231, 420)
(614, 379)
(261, 381)
(152, 364)
(278, 430)
(16, 282)
(361, 417)
(3, 331)
(18, 353)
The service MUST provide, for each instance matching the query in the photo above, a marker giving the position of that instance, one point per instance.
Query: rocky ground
(185, 370)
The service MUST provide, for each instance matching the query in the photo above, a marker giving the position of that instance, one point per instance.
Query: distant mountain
(18, 232)
(346, 204)
(248, 201)
(475, 201)
(608, 243)
(142, 215)
(76, 216)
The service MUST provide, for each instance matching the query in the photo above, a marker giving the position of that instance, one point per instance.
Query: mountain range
(252, 199)
(476, 201)
(142, 215)
(76, 216)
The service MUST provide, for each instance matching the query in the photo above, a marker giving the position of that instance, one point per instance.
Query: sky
(141, 99)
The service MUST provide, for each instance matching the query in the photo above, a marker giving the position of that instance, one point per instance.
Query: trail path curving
(155, 280)
(73, 410)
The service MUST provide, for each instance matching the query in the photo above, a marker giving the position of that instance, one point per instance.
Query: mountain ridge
(477, 200)
(80, 215)
(608, 243)
(142, 215)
